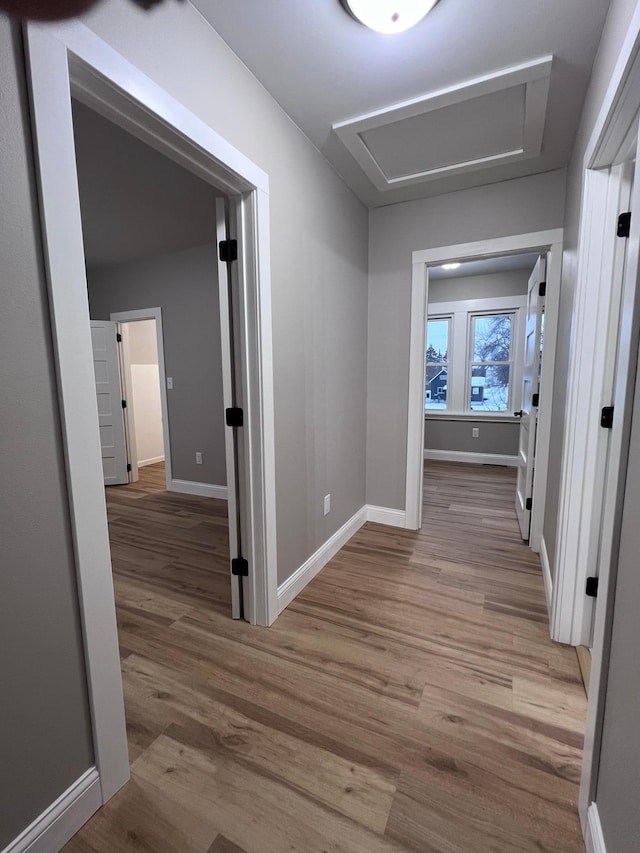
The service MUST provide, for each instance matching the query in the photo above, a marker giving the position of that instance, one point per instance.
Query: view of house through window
(438, 333)
(485, 370)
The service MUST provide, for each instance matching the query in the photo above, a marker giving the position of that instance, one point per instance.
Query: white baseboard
(294, 585)
(204, 490)
(471, 458)
(57, 824)
(152, 461)
(546, 573)
(383, 515)
(594, 840)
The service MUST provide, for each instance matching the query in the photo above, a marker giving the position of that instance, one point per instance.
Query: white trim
(152, 314)
(294, 585)
(204, 490)
(518, 243)
(594, 839)
(549, 241)
(546, 574)
(385, 515)
(153, 461)
(585, 443)
(471, 458)
(64, 817)
(534, 76)
(547, 374)
(415, 422)
(67, 57)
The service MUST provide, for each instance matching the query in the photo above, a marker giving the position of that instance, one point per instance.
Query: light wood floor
(408, 700)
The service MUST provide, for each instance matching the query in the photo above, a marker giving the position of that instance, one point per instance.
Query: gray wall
(185, 285)
(454, 289)
(319, 239)
(445, 434)
(512, 207)
(45, 739)
(613, 35)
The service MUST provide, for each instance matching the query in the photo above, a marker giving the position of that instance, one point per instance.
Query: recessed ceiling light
(450, 266)
(389, 16)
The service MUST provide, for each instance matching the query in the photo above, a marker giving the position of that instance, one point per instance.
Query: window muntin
(491, 364)
(437, 363)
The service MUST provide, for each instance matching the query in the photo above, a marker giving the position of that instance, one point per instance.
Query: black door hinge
(535, 400)
(228, 251)
(542, 291)
(124, 404)
(624, 224)
(119, 337)
(592, 587)
(128, 467)
(528, 503)
(234, 417)
(240, 567)
(606, 417)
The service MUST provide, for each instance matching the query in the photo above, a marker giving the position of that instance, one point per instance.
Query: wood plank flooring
(408, 700)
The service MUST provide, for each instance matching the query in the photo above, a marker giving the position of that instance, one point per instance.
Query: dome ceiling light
(388, 16)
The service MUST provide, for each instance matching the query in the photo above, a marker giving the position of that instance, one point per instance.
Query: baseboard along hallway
(408, 700)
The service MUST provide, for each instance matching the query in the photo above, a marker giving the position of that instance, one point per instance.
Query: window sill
(494, 417)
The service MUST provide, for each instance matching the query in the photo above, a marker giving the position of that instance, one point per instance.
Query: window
(491, 362)
(435, 391)
(474, 356)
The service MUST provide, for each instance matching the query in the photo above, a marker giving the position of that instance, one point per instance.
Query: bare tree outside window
(490, 374)
(436, 382)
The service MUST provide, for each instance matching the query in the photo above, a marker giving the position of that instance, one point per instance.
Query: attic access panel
(492, 120)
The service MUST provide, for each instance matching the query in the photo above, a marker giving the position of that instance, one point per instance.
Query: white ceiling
(135, 202)
(486, 266)
(324, 68)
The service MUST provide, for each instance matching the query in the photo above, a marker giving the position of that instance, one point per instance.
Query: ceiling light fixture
(388, 16)
(450, 266)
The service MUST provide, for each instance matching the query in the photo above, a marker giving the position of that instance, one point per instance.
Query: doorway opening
(493, 384)
(144, 222)
(142, 384)
(483, 364)
(70, 60)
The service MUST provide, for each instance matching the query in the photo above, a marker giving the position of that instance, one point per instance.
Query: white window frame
(471, 361)
(449, 361)
(460, 352)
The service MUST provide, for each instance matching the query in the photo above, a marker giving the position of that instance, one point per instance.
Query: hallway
(409, 699)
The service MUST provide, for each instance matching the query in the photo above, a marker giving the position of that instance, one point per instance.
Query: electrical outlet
(198, 458)
(475, 432)
(327, 504)
(170, 383)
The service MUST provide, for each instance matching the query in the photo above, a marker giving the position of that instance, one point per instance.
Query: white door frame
(590, 384)
(598, 265)
(133, 317)
(538, 241)
(65, 59)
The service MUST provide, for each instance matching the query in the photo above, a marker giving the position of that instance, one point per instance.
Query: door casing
(69, 59)
(538, 241)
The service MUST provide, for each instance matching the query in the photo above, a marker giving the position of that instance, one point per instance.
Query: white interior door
(530, 394)
(230, 401)
(106, 367)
